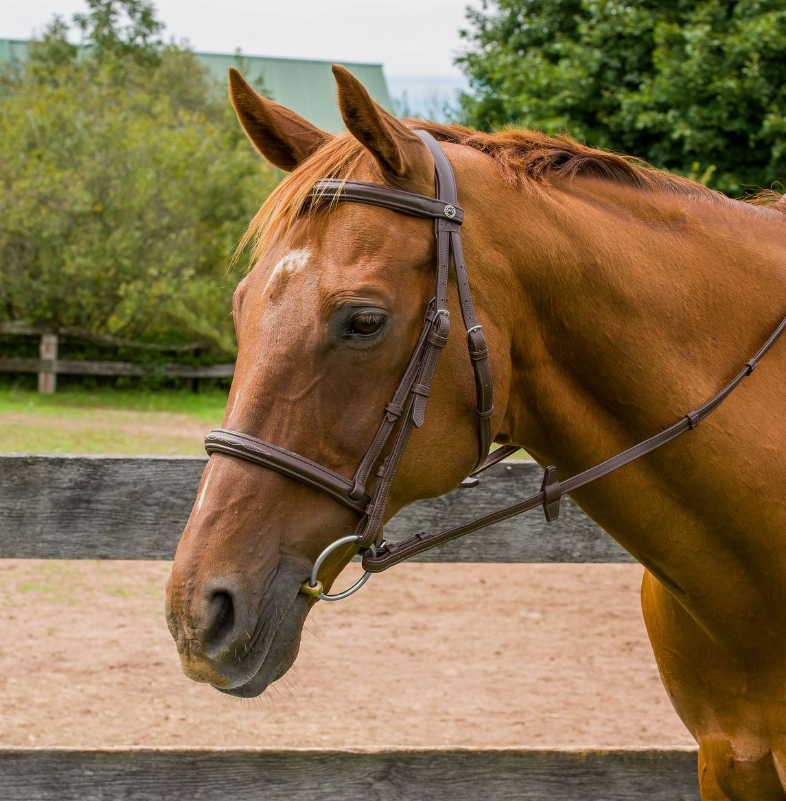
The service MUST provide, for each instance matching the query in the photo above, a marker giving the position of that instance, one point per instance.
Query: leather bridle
(406, 410)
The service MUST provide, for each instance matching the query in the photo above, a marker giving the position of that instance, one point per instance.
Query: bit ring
(313, 586)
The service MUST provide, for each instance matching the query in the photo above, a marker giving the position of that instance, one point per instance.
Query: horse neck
(625, 310)
(628, 308)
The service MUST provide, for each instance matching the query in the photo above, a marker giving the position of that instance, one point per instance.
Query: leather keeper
(437, 340)
(426, 376)
(476, 343)
(394, 410)
(439, 335)
(358, 490)
(552, 494)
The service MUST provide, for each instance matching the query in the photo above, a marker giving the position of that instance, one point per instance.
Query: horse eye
(366, 324)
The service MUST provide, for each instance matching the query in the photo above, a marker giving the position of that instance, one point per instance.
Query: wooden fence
(49, 366)
(47, 369)
(101, 507)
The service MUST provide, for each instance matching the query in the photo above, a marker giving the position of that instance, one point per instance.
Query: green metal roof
(13, 49)
(305, 86)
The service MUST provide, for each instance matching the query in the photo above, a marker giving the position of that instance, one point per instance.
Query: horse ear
(401, 155)
(281, 136)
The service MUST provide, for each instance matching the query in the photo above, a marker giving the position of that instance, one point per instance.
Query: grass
(141, 422)
(202, 406)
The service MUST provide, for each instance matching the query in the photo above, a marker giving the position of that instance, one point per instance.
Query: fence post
(195, 381)
(47, 382)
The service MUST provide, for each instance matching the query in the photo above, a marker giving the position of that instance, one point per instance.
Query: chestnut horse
(614, 299)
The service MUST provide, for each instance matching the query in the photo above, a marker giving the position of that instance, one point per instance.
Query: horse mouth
(276, 655)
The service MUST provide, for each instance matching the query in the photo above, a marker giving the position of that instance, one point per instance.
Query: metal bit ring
(313, 586)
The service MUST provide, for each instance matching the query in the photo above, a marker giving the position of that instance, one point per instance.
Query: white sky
(410, 37)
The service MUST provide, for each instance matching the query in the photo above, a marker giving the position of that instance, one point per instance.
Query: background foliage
(125, 183)
(696, 87)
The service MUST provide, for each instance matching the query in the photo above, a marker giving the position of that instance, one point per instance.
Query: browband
(394, 199)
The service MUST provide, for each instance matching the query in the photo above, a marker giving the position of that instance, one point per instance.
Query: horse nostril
(221, 619)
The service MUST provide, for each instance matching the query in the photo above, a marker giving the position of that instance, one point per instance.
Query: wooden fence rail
(115, 507)
(100, 507)
(21, 329)
(48, 366)
(87, 367)
(426, 774)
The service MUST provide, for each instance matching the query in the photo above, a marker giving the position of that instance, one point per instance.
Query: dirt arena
(483, 655)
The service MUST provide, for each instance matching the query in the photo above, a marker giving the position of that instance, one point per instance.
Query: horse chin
(283, 649)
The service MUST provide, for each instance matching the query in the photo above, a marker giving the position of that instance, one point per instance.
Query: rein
(406, 410)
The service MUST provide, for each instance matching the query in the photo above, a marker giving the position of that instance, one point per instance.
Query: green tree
(687, 84)
(124, 185)
(121, 30)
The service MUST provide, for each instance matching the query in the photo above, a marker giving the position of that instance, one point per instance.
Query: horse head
(326, 321)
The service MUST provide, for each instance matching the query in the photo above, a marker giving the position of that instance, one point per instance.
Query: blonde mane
(520, 154)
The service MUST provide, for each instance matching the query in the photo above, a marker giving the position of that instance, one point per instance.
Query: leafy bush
(124, 185)
(697, 87)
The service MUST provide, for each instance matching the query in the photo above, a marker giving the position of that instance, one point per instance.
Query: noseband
(406, 410)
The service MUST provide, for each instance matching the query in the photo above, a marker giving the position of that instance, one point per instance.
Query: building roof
(303, 85)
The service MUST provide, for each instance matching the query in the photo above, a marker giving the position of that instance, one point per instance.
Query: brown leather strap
(369, 529)
(251, 449)
(495, 457)
(394, 410)
(552, 489)
(476, 341)
(389, 198)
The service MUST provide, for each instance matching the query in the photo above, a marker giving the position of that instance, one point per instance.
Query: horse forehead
(291, 262)
(350, 242)
(315, 248)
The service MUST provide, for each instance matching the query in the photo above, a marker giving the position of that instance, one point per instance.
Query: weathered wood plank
(104, 507)
(109, 368)
(94, 507)
(352, 775)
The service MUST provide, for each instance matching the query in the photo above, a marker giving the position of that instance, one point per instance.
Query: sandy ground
(532, 655)
(103, 431)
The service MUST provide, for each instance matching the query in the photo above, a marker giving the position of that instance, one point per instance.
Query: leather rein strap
(552, 489)
(406, 410)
